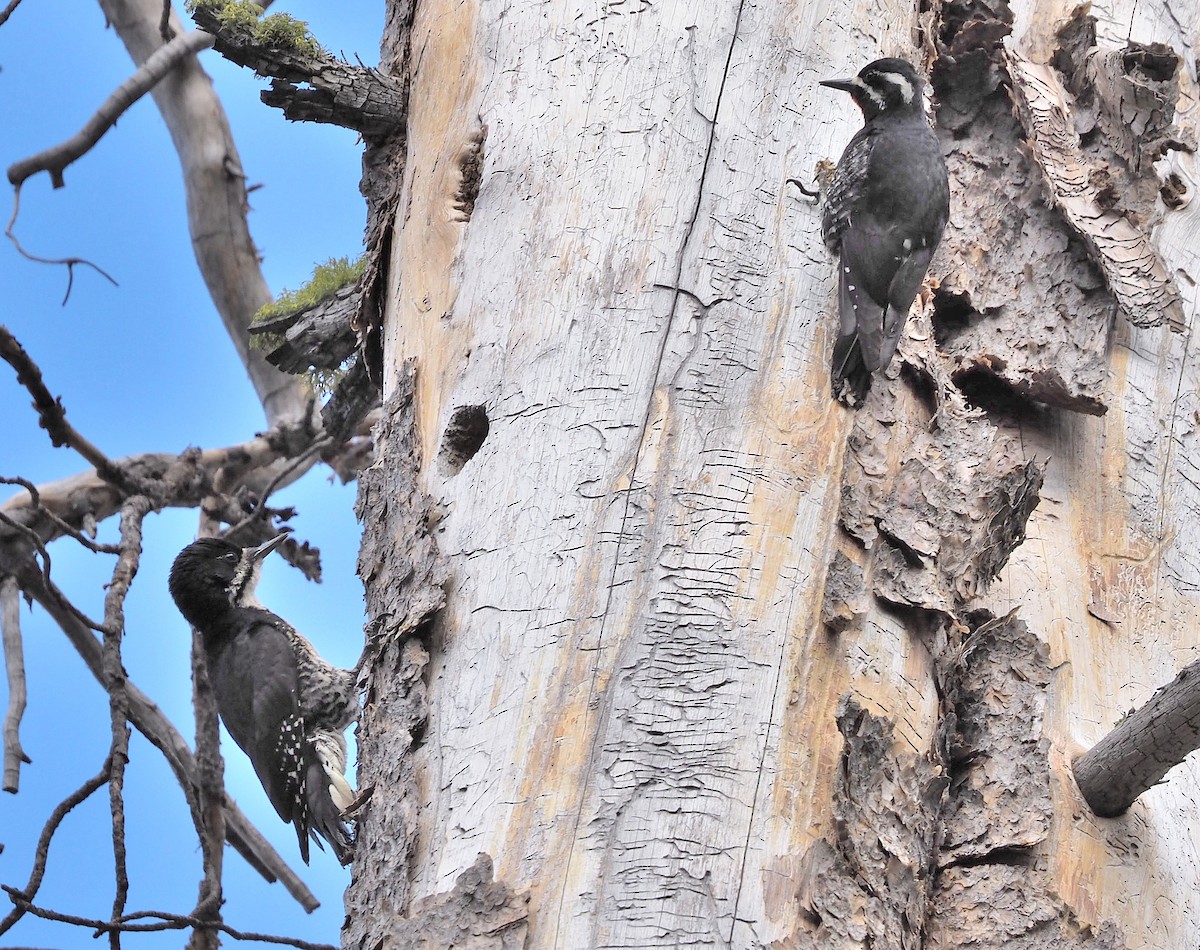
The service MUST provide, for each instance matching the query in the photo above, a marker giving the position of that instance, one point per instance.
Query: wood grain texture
(637, 299)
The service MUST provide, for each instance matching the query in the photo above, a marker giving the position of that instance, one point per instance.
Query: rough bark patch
(1030, 309)
(871, 884)
(477, 914)
(943, 527)
(383, 171)
(993, 908)
(992, 887)
(999, 796)
(403, 576)
(844, 603)
(1134, 272)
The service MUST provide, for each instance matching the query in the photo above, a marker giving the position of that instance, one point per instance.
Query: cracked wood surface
(639, 301)
(633, 694)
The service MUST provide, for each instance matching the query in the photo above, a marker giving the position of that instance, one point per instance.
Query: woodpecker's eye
(230, 556)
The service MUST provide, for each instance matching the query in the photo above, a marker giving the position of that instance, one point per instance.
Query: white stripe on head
(901, 83)
(867, 88)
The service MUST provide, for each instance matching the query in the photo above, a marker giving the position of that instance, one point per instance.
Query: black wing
(841, 200)
(256, 683)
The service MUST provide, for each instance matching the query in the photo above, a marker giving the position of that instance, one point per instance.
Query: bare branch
(14, 663)
(58, 522)
(1142, 747)
(42, 852)
(132, 514)
(51, 587)
(8, 10)
(55, 160)
(52, 415)
(211, 789)
(216, 197)
(184, 481)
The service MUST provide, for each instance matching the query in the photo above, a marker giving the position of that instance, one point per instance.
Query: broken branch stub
(1142, 747)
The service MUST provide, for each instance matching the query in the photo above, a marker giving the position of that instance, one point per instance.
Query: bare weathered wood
(216, 198)
(14, 666)
(1145, 745)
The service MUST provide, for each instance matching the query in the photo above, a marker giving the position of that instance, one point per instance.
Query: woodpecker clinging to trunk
(884, 216)
(284, 706)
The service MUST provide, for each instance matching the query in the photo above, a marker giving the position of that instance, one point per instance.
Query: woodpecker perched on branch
(884, 216)
(284, 706)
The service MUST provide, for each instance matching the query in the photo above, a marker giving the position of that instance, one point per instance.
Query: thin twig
(317, 446)
(68, 262)
(132, 514)
(210, 786)
(14, 663)
(52, 416)
(51, 587)
(165, 922)
(42, 852)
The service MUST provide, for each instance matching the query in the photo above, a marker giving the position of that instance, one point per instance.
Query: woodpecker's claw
(815, 193)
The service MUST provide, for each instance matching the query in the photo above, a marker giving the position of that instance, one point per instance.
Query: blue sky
(146, 366)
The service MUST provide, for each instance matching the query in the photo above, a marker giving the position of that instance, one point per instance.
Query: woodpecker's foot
(351, 811)
(814, 193)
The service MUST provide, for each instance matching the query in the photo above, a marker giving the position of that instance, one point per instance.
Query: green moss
(282, 31)
(231, 14)
(278, 31)
(327, 279)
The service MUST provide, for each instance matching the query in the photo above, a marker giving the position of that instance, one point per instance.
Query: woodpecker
(283, 705)
(886, 209)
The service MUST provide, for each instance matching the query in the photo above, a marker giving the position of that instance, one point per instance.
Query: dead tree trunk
(691, 653)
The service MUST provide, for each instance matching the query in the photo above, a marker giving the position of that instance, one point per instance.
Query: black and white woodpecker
(283, 705)
(884, 215)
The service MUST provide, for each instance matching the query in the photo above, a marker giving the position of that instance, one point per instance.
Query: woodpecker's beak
(845, 85)
(258, 553)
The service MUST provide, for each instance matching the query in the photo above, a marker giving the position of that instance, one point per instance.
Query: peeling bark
(871, 884)
(1132, 269)
(403, 578)
(1021, 309)
(994, 888)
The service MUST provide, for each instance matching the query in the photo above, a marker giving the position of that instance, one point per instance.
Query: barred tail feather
(324, 817)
